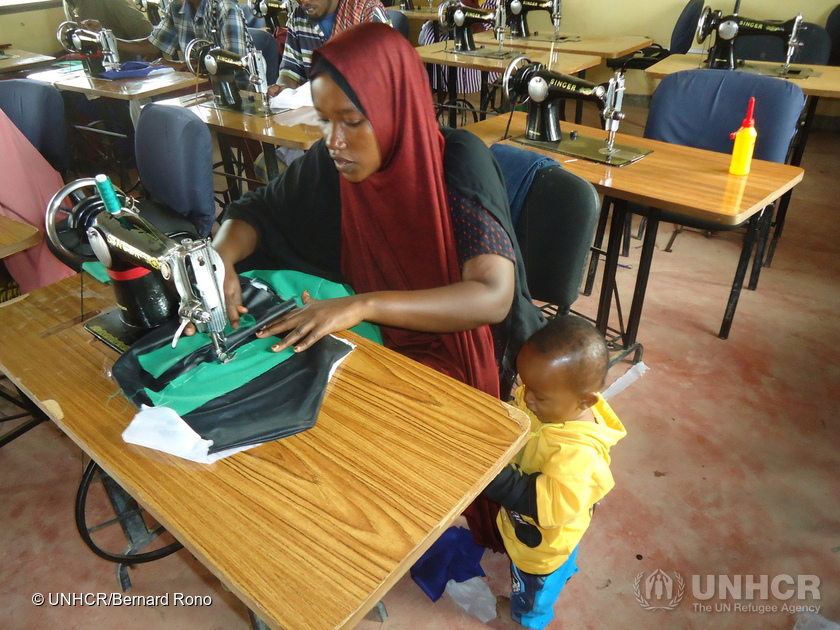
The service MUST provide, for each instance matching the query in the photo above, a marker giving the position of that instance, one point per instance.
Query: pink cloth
(27, 183)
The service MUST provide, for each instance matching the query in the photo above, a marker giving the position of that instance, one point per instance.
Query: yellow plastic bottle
(742, 151)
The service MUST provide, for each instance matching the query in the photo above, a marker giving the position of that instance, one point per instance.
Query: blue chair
(815, 48)
(174, 151)
(555, 213)
(700, 108)
(832, 27)
(37, 109)
(398, 21)
(681, 38)
(267, 45)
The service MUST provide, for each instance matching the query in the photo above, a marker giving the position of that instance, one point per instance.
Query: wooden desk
(827, 85)
(15, 236)
(309, 531)
(566, 63)
(130, 89)
(606, 47)
(690, 181)
(15, 60)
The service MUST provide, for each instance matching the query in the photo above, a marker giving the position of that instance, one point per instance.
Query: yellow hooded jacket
(573, 459)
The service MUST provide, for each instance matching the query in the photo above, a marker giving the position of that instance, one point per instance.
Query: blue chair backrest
(174, 153)
(815, 48)
(700, 108)
(37, 109)
(832, 27)
(398, 21)
(686, 26)
(267, 45)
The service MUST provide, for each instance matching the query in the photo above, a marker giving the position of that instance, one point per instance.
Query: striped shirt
(180, 24)
(305, 35)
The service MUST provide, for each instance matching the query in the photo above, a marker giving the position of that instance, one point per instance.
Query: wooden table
(15, 236)
(606, 47)
(827, 85)
(693, 182)
(566, 63)
(309, 531)
(15, 60)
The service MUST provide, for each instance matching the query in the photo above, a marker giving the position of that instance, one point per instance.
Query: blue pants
(533, 597)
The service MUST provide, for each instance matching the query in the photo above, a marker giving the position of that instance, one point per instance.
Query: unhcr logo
(659, 591)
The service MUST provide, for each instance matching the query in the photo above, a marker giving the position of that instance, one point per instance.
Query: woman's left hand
(315, 319)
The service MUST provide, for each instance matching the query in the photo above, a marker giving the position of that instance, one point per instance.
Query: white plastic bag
(474, 596)
(813, 621)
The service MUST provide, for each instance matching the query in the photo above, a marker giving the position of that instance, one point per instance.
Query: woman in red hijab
(412, 216)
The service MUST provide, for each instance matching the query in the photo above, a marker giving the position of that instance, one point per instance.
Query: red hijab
(396, 226)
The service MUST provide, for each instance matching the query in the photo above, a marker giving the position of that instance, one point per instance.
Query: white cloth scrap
(292, 98)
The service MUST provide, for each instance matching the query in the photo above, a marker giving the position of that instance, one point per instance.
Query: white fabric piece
(292, 98)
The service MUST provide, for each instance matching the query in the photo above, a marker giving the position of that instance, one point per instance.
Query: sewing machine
(728, 28)
(152, 8)
(154, 276)
(204, 59)
(98, 49)
(517, 15)
(275, 12)
(459, 19)
(406, 5)
(545, 92)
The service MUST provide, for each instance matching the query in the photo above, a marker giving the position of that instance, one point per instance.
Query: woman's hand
(315, 319)
(233, 296)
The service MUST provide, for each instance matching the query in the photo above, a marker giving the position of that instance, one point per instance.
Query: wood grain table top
(121, 89)
(309, 531)
(607, 47)
(14, 60)
(566, 63)
(827, 84)
(281, 129)
(15, 236)
(680, 179)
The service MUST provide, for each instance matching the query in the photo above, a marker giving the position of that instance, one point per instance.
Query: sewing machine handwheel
(705, 25)
(67, 229)
(444, 22)
(63, 34)
(509, 77)
(194, 53)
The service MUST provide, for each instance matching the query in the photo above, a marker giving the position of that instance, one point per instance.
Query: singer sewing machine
(204, 59)
(275, 12)
(459, 19)
(545, 91)
(517, 18)
(155, 277)
(728, 28)
(406, 5)
(98, 49)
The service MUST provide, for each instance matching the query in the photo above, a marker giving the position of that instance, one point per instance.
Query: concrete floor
(728, 470)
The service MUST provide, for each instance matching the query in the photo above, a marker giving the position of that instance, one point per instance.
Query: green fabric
(211, 380)
(97, 270)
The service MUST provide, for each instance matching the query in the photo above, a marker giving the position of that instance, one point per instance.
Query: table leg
(741, 272)
(648, 247)
(619, 211)
(452, 73)
(229, 165)
(484, 104)
(272, 170)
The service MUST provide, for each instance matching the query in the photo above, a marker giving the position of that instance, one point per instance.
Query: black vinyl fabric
(282, 401)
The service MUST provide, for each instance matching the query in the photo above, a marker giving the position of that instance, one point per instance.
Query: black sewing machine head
(728, 28)
(544, 90)
(459, 18)
(98, 49)
(205, 59)
(275, 12)
(517, 14)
